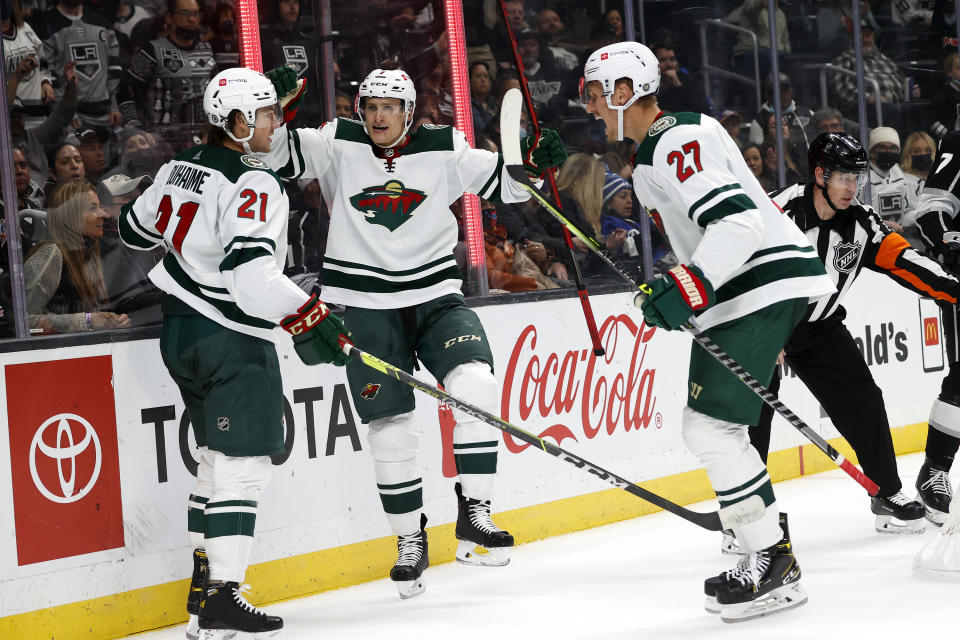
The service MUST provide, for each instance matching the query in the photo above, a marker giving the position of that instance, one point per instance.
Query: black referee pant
(825, 357)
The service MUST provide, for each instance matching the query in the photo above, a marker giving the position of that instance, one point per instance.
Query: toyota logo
(65, 452)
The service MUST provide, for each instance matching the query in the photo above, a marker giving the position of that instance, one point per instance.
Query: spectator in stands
(917, 157)
(141, 153)
(732, 123)
(893, 193)
(501, 45)
(64, 277)
(129, 15)
(753, 16)
(90, 143)
(791, 175)
(611, 29)
(221, 34)
(481, 100)
(827, 120)
(22, 51)
(70, 33)
(679, 91)
(501, 254)
(617, 158)
(946, 100)
(33, 141)
(549, 27)
(795, 157)
(29, 192)
(616, 222)
(797, 117)
(163, 86)
(580, 184)
(66, 165)
(344, 105)
(290, 39)
(550, 88)
(753, 156)
(876, 66)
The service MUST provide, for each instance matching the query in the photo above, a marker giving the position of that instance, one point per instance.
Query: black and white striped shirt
(857, 238)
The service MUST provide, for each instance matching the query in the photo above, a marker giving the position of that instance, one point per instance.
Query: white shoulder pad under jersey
(222, 215)
(690, 174)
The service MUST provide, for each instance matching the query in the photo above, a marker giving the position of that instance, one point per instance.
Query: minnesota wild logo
(389, 205)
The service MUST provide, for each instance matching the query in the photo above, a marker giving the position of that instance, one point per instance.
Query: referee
(848, 237)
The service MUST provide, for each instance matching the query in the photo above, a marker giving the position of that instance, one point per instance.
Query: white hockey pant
(475, 442)
(228, 491)
(736, 473)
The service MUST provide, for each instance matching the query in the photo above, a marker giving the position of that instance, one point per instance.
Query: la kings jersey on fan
(692, 177)
(392, 233)
(22, 43)
(223, 217)
(92, 45)
(856, 238)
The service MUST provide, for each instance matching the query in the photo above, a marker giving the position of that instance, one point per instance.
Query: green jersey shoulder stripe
(404, 272)
(490, 190)
(295, 160)
(372, 284)
(229, 309)
(737, 203)
(249, 240)
(242, 256)
(713, 193)
(665, 122)
(133, 233)
(779, 248)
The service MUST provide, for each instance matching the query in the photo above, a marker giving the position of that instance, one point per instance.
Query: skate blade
(711, 604)
(473, 554)
(730, 547)
(935, 517)
(217, 634)
(889, 525)
(410, 588)
(781, 599)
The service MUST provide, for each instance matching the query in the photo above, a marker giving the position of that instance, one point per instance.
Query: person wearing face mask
(162, 89)
(222, 34)
(893, 195)
(917, 157)
(71, 33)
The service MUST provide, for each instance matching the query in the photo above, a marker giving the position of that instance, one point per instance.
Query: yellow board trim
(149, 608)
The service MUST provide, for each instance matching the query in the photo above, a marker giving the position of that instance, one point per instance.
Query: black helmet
(836, 152)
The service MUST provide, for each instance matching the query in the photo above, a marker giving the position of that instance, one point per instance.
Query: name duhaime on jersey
(690, 167)
(392, 233)
(235, 210)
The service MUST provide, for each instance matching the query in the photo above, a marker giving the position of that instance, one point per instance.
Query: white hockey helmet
(240, 89)
(630, 60)
(388, 83)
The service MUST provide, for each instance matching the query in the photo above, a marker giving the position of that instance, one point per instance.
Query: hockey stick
(740, 513)
(514, 161)
(577, 276)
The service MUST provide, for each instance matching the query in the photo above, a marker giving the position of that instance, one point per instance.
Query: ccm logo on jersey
(690, 286)
(468, 338)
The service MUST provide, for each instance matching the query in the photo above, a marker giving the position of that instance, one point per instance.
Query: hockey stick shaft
(519, 175)
(577, 275)
(710, 521)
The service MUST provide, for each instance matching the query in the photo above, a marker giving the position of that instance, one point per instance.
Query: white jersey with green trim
(222, 215)
(692, 177)
(392, 233)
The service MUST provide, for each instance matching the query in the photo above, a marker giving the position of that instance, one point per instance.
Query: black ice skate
(897, 514)
(412, 560)
(730, 546)
(762, 583)
(225, 611)
(934, 491)
(476, 529)
(198, 586)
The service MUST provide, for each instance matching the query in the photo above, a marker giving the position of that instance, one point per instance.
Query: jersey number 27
(678, 158)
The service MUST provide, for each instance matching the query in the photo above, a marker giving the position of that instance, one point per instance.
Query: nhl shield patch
(223, 423)
(845, 256)
(389, 205)
(370, 391)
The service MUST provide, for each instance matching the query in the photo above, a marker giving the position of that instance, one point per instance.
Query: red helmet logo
(223, 82)
(604, 56)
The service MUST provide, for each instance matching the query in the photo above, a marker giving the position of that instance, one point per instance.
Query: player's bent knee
(474, 383)
(394, 439)
(712, 439)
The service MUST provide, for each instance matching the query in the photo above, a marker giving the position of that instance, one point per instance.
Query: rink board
(99, 461)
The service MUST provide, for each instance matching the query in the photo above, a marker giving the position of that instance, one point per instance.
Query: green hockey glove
(675, 297)
(317, 334)
(290, 90)
(542, 152)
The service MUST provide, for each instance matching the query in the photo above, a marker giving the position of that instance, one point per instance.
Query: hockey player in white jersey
(222, 216)
(390, 262)
(746, 274)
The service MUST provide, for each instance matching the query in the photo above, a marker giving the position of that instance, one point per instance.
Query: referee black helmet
(836, 152)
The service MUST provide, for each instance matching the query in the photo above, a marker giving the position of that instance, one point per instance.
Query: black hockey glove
(290, 90)
(317, 334)
(542, 152)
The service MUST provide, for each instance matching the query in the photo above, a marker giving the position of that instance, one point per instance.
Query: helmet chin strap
(620, 109)
(826, 196)
(406, 127)
(241, 141)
